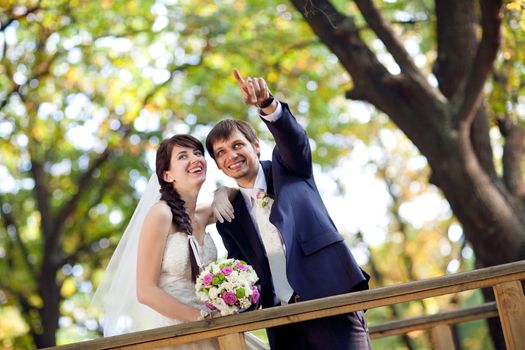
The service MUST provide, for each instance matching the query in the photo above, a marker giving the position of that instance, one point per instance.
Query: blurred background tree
(89, 88)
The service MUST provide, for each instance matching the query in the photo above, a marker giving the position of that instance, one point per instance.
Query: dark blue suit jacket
(318, 263)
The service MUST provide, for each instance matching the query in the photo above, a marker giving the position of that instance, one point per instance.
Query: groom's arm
(292, 145)
(293, 148)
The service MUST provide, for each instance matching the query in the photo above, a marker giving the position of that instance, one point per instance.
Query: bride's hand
(205, 315)
(215, 314)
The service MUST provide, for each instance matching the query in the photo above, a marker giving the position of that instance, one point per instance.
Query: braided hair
(180, 217)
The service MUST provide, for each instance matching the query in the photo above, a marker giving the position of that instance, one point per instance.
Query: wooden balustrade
(445, 318)
(505, 280)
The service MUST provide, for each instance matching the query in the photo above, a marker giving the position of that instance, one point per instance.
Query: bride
(150, 280)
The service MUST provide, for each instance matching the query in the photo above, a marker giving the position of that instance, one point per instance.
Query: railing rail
(418, 323)
(505, 280)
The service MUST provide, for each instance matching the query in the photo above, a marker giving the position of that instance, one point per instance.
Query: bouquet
(228, 286)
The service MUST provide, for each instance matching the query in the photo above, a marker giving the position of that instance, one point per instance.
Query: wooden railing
(438, 324)
(229, 330)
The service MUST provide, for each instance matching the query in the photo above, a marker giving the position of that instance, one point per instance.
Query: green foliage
(413, 247)
(507, 84)
(89, 88)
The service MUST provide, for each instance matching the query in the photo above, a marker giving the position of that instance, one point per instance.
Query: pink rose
(207, 279)
(255, 295)
(227, 270)
(241, 267)
(229, 298)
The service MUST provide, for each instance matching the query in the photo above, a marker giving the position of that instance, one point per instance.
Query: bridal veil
(116, 296)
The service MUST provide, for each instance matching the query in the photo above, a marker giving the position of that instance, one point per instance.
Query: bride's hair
(181, 220)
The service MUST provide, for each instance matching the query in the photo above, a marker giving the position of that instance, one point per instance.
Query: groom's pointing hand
(254, 90)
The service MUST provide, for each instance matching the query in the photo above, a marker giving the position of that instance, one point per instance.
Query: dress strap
(195, 248)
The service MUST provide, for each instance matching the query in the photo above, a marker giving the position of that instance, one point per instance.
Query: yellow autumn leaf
(515, 5)
(35, 300)
(68, 288)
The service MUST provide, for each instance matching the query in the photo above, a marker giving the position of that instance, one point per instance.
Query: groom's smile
(237, 165)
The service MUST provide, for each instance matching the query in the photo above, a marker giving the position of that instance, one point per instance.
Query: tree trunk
(49, 291)
(492, 216)
(448, 125)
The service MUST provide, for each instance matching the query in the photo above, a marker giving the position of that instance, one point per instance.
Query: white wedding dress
(115, 298)
(175, 279)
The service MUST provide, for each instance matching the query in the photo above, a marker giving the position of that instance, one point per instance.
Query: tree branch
(456, 42)
(41, 194)
(147, 98)
(87, 177)
(9, 221)
(482, 63)
(480, 140)
(512, 156)
(285, 51)
(4, 102)
(340, 34)
(456, 46)
(86, 247)
(16, 17)
(82, 187)
(385, 33)
(400, 96)
(41, 70)
(83, 246)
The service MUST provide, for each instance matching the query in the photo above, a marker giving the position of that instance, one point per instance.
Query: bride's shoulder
(161, 210)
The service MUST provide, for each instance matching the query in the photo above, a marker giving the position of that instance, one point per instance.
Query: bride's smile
(187, 166)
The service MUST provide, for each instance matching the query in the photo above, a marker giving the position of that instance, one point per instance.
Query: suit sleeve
(292, 146)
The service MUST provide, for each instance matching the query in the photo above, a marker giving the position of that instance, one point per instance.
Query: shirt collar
(260, 184)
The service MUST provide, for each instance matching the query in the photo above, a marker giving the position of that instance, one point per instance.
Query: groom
(282, 227)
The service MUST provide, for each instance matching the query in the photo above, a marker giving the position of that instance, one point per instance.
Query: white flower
(213, 293)
(227, 286)
(245, 303)
(220, 304)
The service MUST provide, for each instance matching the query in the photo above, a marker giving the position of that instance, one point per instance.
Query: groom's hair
(223, 130)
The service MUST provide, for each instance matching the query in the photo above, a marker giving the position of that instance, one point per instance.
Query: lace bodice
(175, 279)
(175, 276)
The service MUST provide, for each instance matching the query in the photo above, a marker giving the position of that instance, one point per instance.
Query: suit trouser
(341, 332)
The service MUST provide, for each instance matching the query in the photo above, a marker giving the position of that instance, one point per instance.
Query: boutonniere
(262, 199)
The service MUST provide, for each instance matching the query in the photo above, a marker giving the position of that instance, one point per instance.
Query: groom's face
(237, 158)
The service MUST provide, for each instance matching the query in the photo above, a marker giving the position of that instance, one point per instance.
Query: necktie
(271, 238)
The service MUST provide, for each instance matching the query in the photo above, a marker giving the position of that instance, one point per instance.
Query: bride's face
(187, 167)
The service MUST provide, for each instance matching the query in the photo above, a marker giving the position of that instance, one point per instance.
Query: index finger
(238, 76)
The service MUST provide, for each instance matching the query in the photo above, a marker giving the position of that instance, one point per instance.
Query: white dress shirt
(268, 233)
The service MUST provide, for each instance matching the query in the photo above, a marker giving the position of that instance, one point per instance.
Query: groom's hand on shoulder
(221, 205)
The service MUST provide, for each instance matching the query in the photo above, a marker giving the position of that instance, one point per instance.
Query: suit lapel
(247, 237)
(267, 170)
(251, 247)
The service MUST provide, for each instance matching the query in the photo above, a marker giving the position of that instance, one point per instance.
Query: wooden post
(442, 338)
(511, 309)
(232, 341)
